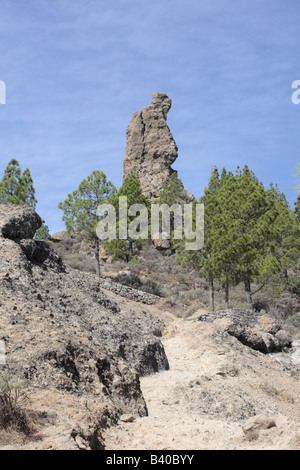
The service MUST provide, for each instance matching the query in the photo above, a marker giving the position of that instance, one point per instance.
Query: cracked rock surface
(151, 148)
(64, 333)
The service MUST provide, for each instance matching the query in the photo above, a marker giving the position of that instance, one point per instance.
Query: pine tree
(172, 191)
(252, 229)
(43, 232)
(17, 187)
(80, 208)
(226, 236)
(239, 233)
(123, 248)
(204, 261)
(211, 216)
(297, 208)
(287, 237)
(245, 233)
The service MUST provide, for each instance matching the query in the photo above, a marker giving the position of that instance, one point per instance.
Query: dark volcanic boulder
(18, 222)
(35, 250)
(149, 356)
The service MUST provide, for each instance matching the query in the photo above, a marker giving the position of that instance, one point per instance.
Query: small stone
(127, 418)
(255, 424)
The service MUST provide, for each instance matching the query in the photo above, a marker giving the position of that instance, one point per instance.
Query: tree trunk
(226, 295)
(248, 292)
(97, 257)
(211, 294)
(286, 277)
(130, 256)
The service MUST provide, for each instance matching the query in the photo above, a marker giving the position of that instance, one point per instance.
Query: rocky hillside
(64, 334)
(103, 365)
(181, 290)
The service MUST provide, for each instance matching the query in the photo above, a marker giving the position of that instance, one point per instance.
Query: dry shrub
(12, 400)
(80, 262)
(129, 279)
(152, 288)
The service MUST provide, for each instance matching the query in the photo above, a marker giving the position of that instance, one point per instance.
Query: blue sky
(75, 71)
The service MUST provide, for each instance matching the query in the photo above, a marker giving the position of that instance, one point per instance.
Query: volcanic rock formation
(151, 149)
(63, 332)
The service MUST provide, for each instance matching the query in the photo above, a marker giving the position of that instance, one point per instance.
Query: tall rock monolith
(151, 148)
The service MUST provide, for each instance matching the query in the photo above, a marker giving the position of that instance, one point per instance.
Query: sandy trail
(207, 395)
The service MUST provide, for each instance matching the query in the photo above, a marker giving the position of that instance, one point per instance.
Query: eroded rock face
(63, 331)
(20, 223)
(256, 331)
(35, 250)
(262, 334)
(151, 149)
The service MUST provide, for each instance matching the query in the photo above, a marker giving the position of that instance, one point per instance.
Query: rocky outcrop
(265, 335)
(129, 292)
(63, 332)
(18, 222)
(163, 244)
(151, 149)
(256, 331)
(35, 250)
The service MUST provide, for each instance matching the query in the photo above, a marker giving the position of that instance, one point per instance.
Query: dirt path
(209, 392)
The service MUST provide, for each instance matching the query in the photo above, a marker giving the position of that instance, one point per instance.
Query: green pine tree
(204, 261)
(239, 233)
(251, 229)
(80, 208)
(287, 239)
(172, 191)
(43, 232)
(17, 187)
(297, 208)
(124, 248)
